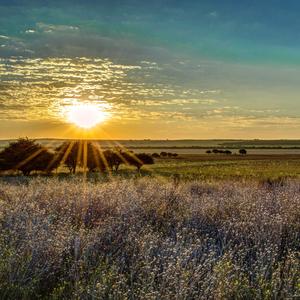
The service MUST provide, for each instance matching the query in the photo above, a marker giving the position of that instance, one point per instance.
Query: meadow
(149, 238)
(195, 226)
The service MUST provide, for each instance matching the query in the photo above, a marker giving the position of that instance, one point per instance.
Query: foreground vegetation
(148, 239)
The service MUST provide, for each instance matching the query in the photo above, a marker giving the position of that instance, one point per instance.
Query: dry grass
(145, 239)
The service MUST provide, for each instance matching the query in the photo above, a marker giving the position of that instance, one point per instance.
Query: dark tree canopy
(26, 155)
(137, 160)
(243, 151)
(70, 154)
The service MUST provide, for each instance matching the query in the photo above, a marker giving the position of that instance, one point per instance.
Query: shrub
(208, 151)
(243, 151)
(155, 155)
(163, 154)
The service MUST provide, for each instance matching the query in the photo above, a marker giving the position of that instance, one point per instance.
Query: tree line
(227, 152)
(26, 155)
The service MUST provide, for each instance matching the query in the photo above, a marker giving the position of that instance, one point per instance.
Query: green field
(202, 226)
(209, 168)
(205, 167)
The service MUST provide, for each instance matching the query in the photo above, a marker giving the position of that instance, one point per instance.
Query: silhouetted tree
(138, 160)
(228, 152)
(26, 155)
(115, 159)
(103, 160)
(155, 155)
(71, 154)
(95, 158)
(243, 151)
(163, 154)
(208, 151)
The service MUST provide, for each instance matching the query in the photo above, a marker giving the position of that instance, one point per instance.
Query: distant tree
(95, 158)
(145, 158)
(163, 154)
(113, 158)
(26, 155)
(70, 154)
(138, 160)
(228, 152)
(104, 160)
(243, 151)
(208, 151)
(155, 155)
(174, 154)
(215, 151)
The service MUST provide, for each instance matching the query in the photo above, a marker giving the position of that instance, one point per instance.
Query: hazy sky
(162, 69)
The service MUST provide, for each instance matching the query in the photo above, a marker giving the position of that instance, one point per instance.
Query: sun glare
(86, 115)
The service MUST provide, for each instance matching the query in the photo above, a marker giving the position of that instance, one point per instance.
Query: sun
(86, 115)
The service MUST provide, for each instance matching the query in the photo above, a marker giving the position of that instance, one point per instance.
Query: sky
(163, 69)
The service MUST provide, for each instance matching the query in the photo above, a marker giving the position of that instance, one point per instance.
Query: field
(198, 226)
(149, 239)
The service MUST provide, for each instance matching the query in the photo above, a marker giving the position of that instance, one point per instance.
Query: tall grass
(145, 239)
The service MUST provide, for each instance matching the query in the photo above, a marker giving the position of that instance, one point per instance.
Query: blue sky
(199, 69)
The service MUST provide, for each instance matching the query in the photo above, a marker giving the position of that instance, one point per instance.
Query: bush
(26, 155)
(155, 155)
(208, 151)
(243, 151)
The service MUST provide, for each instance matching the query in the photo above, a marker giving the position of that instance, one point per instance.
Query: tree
(114, 158)
(163, 154)
(155, 155)
(208, 151)
(71, 154)
(26, 155)
(105, 160)
(95, 158)
(137, 160)
(243, 151)
(228, 152)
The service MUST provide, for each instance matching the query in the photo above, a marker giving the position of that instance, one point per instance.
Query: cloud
(37, 88)
(213, 14)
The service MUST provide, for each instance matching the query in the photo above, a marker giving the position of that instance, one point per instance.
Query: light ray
(103, 158)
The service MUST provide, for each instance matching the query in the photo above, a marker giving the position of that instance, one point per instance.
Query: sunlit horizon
(195, 70)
